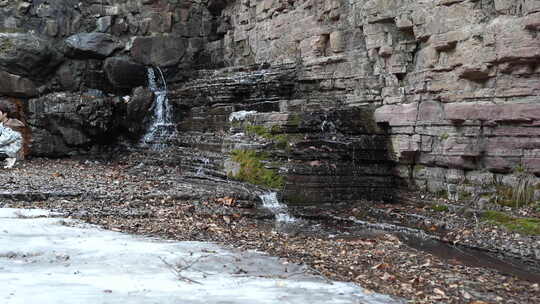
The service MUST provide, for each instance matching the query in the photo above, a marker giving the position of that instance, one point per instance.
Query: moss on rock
(524, 225)
(252, 169)
(281, 141)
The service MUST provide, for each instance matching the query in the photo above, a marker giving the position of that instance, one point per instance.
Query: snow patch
(241, 115)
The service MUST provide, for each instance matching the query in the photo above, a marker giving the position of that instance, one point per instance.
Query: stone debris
(149, 194)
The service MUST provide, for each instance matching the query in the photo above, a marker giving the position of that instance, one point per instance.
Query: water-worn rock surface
(65, 261)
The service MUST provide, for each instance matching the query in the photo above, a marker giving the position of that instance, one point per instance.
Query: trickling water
(162, 127)
(271, 202)
(205, 161)
(327, 126)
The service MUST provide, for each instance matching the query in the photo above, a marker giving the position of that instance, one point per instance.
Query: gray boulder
(92, 45)
(27, 55)
(64, 124)
(159, 50)
(135, 112)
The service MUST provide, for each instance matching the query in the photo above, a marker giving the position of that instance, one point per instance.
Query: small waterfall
(162, 127)
(327, 126)
(271, 202)
(205, 161)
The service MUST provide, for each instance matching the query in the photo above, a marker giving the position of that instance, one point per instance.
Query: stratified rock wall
(454, 85)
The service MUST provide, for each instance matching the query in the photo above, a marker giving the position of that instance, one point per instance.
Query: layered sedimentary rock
(324, 154)
(451, 87)
(455, 83)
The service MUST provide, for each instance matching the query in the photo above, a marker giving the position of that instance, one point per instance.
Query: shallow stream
(336, 228)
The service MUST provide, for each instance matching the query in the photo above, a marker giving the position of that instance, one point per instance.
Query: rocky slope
(348, 98)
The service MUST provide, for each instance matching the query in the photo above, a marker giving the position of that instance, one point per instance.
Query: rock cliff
(347, 98)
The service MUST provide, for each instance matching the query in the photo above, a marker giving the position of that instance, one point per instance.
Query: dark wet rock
(92, 45)
(14, 85)
(71, 75)
(134, 111)
(27, 55)
(123, 73)
(324, 155)
(31, 196)
(159, 50)
(63, 123)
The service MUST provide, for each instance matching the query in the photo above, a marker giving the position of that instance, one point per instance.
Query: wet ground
(526, 269)
(158, 198)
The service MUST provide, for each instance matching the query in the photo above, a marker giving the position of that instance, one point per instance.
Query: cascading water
(162, 127)
(271, 202)
(205, 161)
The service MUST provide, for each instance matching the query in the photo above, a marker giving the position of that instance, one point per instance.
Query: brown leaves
(381, 266)
(381, 263)
(227, 201)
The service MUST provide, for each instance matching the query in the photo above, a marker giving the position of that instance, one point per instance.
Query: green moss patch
(439, 208)
(294, 120)
(522, 225)
(258, 130)
(444, 136)
(6, 44)
(252, 169)
(281, 140)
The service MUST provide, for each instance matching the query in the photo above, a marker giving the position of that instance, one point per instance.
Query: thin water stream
(335, 228)
(472, 257)
(280, 210)
(161, 127)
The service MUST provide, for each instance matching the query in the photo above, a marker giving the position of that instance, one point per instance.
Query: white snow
(240, 115)
(54, 260)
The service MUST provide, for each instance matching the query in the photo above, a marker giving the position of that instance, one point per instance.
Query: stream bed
(339, 228)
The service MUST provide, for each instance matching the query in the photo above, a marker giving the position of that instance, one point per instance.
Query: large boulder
(159, 50)
(92, 45)
(27, 55)
(124, 73)
(136, 112)
(64, 124)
